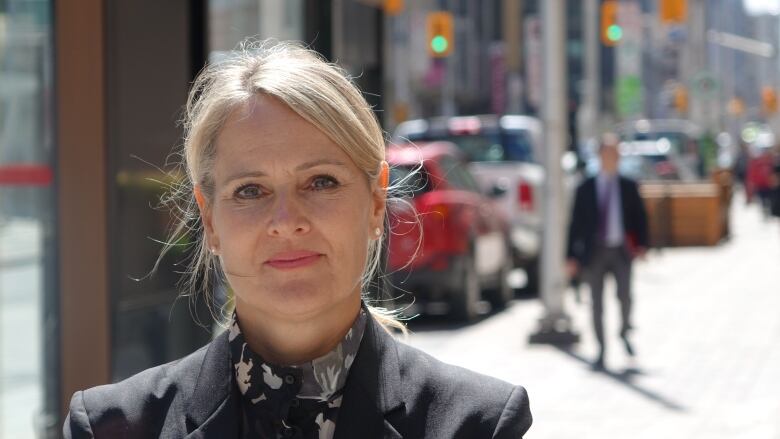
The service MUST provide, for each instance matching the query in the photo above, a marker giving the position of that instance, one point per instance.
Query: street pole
(555, 326)
(588, 114)
(447, 92)
(512, 17)
(696, 59)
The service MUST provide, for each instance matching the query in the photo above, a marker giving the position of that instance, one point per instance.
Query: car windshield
(511, 145)
(410, 180)
(676, 139)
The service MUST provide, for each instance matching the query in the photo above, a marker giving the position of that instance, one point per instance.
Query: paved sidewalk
(21, 366)
(708, 339)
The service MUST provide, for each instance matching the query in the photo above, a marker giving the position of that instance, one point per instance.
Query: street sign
(629, 95)
(704, 85)
(628, 88)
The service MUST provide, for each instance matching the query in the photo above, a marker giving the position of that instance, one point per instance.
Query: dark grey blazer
(584, 224)
(393, 391)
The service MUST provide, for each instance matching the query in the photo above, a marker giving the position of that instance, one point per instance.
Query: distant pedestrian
(741, 163)
(608, 230)
(758, 182)
(775, 184)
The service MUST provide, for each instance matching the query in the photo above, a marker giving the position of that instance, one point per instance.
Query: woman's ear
(384, 175)
(205, 216)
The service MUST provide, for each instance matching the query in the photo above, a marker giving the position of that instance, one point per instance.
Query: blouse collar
(321, 379)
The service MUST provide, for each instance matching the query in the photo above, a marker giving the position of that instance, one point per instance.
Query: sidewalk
(707, 337)
(21, 358)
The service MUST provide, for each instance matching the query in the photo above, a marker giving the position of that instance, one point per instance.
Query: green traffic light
(439, 44)
(614, 32)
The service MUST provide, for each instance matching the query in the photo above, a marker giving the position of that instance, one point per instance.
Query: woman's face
(291, 214)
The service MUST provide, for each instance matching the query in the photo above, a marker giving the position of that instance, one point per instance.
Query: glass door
(28, 303)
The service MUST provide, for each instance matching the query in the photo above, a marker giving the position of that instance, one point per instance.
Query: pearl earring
(377, 232)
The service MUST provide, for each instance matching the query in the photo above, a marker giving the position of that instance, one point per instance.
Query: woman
(286, 161)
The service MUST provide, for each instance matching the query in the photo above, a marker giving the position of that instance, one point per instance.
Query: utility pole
(555, 325)
(512, 17)
(696, 59)
(588, 114)
(447, 92)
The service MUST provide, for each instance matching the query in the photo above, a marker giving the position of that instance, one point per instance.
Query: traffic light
(681, 99)
(769, 100)
(736, 106)
(673, 11)
(440, 34)
(393, 7)
(611, 32)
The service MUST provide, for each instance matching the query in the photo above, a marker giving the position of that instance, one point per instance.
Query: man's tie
(604, 208)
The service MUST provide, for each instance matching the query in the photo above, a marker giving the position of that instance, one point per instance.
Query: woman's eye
(323, 182)
(248, 191)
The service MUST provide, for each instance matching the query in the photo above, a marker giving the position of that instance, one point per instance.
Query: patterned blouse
(299, 401)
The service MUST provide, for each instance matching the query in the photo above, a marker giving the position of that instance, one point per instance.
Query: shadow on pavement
(626, 377)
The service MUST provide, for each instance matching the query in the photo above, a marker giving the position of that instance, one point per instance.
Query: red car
(449, 242)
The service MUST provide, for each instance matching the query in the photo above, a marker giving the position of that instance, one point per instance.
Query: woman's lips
(293, 259)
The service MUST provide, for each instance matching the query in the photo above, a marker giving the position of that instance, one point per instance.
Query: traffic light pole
(447, 97)
(447, 93)
(555, 325)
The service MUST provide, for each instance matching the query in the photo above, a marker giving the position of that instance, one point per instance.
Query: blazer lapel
(592, 193)
(373, 406)
(213, 410)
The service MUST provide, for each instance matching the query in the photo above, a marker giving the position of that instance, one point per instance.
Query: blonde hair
(318, 91)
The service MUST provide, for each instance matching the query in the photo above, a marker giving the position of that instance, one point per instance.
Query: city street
(479, 118)
(707, 337)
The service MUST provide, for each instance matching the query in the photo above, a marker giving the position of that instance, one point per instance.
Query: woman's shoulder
(454, 392)
(143, 401)
(427, 369)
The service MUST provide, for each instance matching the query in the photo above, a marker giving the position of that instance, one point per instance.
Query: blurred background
(505, 99)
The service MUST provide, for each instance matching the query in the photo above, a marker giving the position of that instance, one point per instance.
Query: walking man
(608, 229)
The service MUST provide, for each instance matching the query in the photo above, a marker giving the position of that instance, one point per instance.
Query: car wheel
(502, 293)
(465, 299)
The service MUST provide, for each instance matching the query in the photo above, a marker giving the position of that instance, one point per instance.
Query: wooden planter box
(685, 214)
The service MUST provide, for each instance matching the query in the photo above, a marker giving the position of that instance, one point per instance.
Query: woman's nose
(288, 217)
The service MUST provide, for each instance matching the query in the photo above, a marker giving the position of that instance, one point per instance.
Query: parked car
(661, 149)
(448, 242)
(654, 160)
(503, 152)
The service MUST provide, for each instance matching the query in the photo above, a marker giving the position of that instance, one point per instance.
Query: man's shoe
(629, 348)
(599, 363)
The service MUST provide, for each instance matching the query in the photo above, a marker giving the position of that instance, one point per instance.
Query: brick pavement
(708, 342)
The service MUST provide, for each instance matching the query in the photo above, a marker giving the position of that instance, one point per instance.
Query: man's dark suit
(587, 245)
(393, 391)
(584, 226)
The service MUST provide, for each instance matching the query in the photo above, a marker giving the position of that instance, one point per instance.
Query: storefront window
(230, 21)
(28, 306)
(151, 322)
